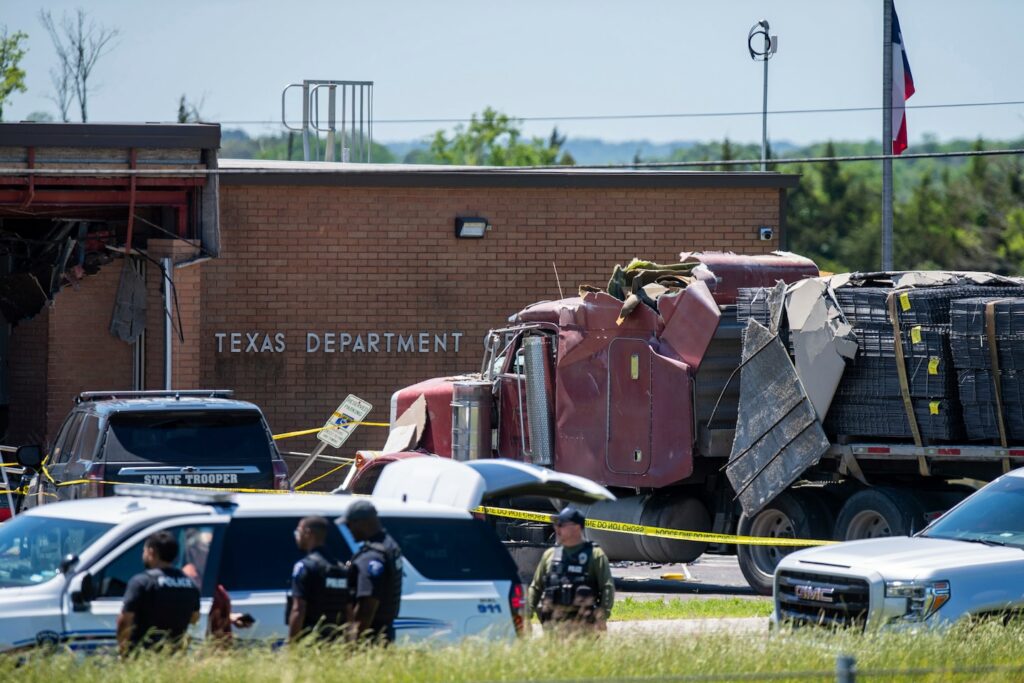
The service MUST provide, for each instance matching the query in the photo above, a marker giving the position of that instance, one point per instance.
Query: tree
(188, 112)
(12, 77)
(79, 43)
(494, 139)
(60, 79)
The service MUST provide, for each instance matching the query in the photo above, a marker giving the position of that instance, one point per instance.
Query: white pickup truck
(969, 562)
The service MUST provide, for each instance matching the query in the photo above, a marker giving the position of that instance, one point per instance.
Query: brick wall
(27, 366)
(358, 260)
(83, 355)
(184, 317)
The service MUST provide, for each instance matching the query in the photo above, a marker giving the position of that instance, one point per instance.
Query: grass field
(559, 659)
(632, 609)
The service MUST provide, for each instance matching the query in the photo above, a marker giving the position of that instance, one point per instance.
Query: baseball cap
(359, 510)
(570, 515)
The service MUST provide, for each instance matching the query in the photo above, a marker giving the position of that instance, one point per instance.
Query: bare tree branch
(79, 43)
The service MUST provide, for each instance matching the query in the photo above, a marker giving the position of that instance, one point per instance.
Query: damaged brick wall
(385, 260)
(82, 354)
(185, 317)
(28, 380)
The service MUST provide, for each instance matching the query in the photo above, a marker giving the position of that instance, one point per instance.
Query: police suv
(64, 567)
(167, 438)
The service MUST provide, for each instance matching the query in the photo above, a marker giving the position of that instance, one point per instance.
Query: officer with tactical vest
(572, 588)
(375, 576)
(320, 600)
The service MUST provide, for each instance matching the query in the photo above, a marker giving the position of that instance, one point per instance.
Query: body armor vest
(330, 595)
(391, 580)
(568, 585)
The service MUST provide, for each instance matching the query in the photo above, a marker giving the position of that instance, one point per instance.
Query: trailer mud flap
(778, 435)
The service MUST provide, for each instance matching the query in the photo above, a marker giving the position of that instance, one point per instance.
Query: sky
(449, 59)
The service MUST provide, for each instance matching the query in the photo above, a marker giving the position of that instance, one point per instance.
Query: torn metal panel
(691, 319)
(734, 271)
(778, 435)
(408, 428)
(822, 341)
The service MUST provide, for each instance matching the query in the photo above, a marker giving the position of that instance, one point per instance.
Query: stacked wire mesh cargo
(869, 401)
(973, 359)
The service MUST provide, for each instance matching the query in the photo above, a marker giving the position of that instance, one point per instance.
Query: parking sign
(340, 424)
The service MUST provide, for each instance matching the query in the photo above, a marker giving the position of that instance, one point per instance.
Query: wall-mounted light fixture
(475, 227)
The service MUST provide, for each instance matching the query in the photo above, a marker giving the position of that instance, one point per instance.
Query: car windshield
(31, 547)
(993, 515)
(188, 437)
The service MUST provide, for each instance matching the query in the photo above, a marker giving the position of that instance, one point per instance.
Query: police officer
(572, 587)
(159, 603)
(319, 600)
(375, 576)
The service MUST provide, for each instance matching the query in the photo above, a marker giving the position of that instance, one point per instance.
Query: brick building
(346, 278)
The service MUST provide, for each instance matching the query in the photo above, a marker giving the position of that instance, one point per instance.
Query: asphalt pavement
(708, 576)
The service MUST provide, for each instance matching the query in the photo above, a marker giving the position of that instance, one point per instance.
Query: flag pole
(887, 260)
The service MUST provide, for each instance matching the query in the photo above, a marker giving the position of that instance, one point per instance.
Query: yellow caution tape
(905, 301)
(325, 474)
(915, 334)
(933, 407)
(304, 432)
(933, 366)
(677, 534)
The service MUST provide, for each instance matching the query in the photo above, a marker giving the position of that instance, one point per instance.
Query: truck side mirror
(69, 561)
(83, 593)
(29, 456)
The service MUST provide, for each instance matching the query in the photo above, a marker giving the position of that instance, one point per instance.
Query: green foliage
(495, 139)
(12, 77)
(236, 144)
(984, 652)
(632, 609)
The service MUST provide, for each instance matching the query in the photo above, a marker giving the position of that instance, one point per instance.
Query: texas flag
(902, 86)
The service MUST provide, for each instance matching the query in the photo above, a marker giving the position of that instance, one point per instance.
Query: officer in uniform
(319, 602)
(375, 576)
(159, 603)
(572, 588)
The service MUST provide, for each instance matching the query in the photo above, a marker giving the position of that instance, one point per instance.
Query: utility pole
(770, 47)
(887, 260)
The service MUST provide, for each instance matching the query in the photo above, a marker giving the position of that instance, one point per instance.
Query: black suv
(167, 438)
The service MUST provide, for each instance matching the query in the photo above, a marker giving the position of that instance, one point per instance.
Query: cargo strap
(997, 379)
(901, 367)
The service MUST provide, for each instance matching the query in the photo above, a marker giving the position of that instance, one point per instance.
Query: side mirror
(83, 591)
(69, 561)
(29, 456)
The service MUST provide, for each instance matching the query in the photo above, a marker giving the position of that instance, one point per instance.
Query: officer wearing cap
(319, 602)
(375, 576)
(572, 587)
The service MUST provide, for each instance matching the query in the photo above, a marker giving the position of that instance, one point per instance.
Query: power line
(683, 115)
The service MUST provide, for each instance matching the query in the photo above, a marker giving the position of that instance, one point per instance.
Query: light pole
(770, 47)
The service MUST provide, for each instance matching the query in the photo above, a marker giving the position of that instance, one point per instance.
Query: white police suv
(64, 567)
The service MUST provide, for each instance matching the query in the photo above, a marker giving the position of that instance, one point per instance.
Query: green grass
(610, 657)
(631, 609)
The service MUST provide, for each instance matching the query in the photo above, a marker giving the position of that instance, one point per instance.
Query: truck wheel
(877, 513)
(793, 514)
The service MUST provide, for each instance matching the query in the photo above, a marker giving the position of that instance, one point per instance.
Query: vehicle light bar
(176, 493)
(173, 393)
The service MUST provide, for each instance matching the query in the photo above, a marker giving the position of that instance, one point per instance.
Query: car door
(257, 561)
(77, 459)
(56, 463)
(94, 624)
(467, 484)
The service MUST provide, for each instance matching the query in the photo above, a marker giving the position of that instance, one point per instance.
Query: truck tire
(879, 512)
(793, 514)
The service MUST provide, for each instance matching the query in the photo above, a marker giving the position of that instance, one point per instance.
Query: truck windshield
(188, 437)
(993, 515)
(31, 547)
